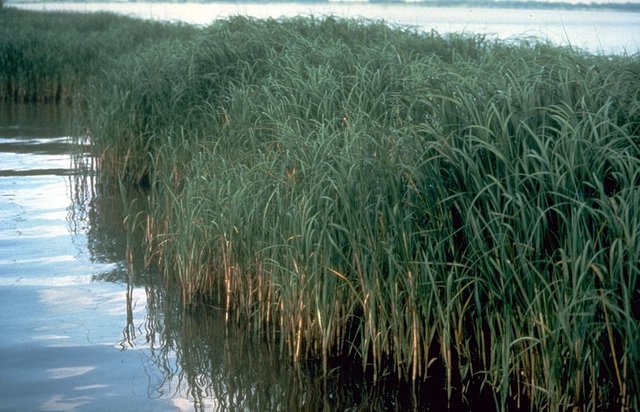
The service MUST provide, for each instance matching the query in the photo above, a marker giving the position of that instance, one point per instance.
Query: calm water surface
(65, 343)
(596, 31)
(86, 329)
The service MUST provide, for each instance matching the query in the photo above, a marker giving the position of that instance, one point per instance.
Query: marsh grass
(47, 57)
(427, 205)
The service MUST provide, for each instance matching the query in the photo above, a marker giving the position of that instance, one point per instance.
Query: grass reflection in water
(201, 360)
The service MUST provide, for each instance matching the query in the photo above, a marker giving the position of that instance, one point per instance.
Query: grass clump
(46, 57)
(429, 205)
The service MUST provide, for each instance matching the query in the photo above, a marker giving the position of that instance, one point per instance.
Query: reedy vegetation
(403, 197)
(47, 57)
(413, 200)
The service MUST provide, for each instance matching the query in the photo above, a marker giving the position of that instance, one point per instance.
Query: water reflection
(203, 363)
(58, 342)
(29, 120)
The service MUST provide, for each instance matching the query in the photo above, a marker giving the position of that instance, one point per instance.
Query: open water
(71, 336)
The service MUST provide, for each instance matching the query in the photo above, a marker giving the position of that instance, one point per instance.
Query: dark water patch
(49, 159)
(35, 145)
(37, 172)
(34, 120)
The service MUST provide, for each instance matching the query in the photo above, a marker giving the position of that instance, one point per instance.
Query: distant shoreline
(508, 4)
(595, 30)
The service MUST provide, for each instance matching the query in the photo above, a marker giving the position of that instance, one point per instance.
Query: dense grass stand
(425, 204)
